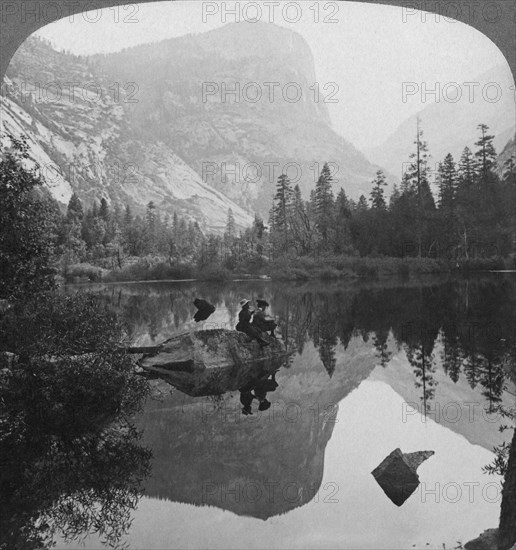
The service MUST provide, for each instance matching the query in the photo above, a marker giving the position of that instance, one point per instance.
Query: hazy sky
(369, 51)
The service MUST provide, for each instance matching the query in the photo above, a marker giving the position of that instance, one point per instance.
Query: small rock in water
(397, 475)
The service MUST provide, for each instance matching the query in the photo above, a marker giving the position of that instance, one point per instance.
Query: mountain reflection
(208, 449)
(470, 324)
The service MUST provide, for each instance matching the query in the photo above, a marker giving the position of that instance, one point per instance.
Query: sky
(366, 52)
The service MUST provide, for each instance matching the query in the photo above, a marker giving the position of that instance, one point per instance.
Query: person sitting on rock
(260, 320)
(204, 310)
(244, 324)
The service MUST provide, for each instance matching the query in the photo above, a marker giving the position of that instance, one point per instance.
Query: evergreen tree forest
(472, 215)
(463, 212)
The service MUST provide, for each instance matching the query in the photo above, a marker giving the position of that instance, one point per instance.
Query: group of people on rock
(254, 322)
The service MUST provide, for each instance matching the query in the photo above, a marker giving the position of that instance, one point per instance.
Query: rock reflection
(208, 452)
(468, 325)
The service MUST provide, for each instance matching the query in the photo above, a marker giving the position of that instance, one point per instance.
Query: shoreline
(350, 280)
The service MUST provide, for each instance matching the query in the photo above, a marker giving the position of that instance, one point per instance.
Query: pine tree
(486, 154)
(282, 205)
(342, 205)
(362, 205)
(466, 169)
(416, 187)
(128, 216)
(377, 193)
(447, 184)
(151, 227)
(342, 221)
(258, 227)
(447, 227)
(324, 204)
(95, 209)
(104, 210)
(230, 232)
(302, 224)
(75, 211)
(395, 195)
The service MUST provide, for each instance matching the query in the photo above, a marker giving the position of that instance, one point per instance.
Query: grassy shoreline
(348, 268)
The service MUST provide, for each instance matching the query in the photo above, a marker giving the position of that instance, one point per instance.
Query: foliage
(83, 271)
(71, 460)
(27, 226)
(470, 225)
(472, 220)
(59, 325)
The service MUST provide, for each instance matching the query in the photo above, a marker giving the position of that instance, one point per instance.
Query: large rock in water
(397, 474)
(208, 362)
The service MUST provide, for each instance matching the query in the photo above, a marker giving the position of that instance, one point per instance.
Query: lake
(415, 365)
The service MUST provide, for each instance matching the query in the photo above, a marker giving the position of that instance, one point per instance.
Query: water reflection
(469, 324)
(457, 339)
(69, 466)
(507, 528)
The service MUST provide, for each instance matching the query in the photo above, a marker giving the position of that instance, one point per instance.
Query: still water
(412, 365)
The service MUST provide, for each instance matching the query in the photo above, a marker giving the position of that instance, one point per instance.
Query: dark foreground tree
(28, 218)
(70, 457)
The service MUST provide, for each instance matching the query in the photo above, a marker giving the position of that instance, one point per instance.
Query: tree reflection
(468, 325)
(504, 464)
(71, 462)
(70, 488)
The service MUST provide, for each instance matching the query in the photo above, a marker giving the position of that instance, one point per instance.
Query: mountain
(508, 151)
(135, 127)
(252, 128)
(82, 138)
(450, 126)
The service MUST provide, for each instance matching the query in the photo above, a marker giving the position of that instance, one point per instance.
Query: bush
(74, 273)
(56, 324)
(28, 219)
(256, 265)
(70, 448)
(163, 271)
(144, 270)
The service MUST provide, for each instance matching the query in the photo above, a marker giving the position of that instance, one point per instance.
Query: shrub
(83, 271)
(144, 270)
(162, 271)
(66, 403)
(28, 219)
